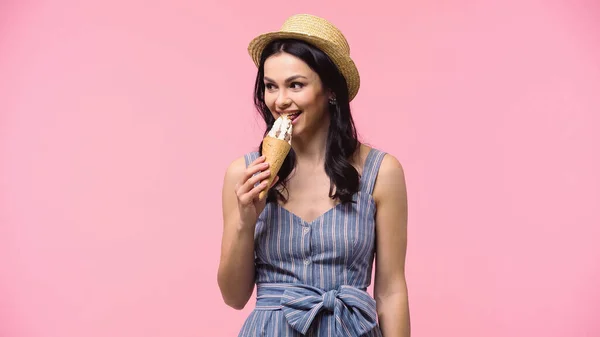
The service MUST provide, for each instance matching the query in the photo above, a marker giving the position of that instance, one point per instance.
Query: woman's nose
(283, 101)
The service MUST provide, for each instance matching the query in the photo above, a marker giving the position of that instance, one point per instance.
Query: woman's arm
(236, 267)
(391, 292)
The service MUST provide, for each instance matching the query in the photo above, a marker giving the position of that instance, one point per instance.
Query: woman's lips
(294, 115)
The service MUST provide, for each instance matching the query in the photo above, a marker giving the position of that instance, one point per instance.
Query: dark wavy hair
(342, 139)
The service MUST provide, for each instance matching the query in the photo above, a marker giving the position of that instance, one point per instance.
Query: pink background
(110, 217)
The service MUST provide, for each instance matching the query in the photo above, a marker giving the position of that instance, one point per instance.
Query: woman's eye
(269, 86)
(297, 85)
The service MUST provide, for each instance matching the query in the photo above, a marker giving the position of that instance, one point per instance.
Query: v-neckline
(306, 221)
(360, 184)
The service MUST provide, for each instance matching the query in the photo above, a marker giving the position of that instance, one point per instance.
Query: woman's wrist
(245, 229)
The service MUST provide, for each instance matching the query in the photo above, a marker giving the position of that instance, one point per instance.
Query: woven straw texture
(320, 33)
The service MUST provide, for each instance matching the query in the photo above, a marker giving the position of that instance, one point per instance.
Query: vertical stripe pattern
(333, 252)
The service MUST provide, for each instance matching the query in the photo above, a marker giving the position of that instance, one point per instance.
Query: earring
(332, 101)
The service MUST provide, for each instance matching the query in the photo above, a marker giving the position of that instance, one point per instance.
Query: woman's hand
(249, 204)
(241, 208)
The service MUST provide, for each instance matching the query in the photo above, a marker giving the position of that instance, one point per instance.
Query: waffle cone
(275, 150)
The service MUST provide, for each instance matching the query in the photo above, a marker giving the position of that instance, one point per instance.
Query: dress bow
(354, 309)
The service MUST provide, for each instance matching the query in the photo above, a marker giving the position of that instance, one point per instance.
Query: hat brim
(344, 63)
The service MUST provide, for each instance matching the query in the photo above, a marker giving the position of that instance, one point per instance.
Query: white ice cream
(282, 129)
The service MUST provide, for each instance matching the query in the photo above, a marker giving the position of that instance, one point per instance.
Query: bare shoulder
(390, 182)
(233, 174)
(235, 169)
(390, 165)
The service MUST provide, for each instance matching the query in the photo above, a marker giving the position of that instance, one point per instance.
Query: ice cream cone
(275, 150)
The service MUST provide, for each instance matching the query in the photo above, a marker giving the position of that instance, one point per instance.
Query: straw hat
(320, 33)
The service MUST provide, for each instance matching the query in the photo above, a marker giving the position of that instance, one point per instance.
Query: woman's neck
(311, 149)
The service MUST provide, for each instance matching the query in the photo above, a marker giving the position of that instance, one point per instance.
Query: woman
(310, 244)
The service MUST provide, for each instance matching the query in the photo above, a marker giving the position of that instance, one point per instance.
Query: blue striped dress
(312, 276)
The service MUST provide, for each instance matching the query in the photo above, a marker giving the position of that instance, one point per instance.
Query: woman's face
(292, 87)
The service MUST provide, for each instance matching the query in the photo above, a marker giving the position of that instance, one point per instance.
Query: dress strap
(250, 157)
(369, 175)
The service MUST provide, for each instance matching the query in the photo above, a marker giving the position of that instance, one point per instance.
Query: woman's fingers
(258, 160)
(255, 167)
(258, 178)
(252, 184)
(257, 171)
(249, 197)
(256, 190)
(255, 187)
